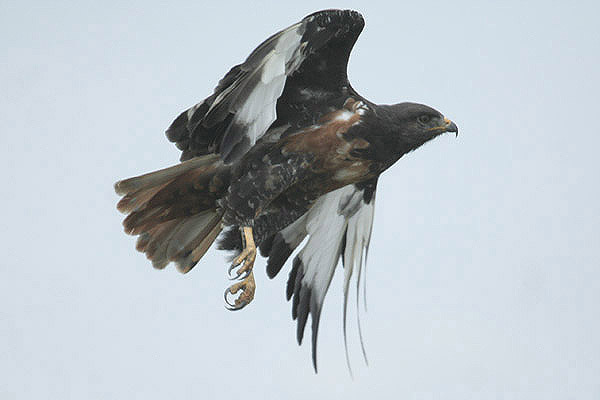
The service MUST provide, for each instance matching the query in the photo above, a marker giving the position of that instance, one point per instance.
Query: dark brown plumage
(283, 150)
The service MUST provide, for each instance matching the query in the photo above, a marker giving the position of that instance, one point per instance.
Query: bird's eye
(424, 119)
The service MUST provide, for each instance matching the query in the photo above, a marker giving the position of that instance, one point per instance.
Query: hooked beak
(450, 126)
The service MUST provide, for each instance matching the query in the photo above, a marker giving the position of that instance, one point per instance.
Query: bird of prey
(284, 152)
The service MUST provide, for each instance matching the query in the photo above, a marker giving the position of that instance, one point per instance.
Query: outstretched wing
(285, 79)
(338, 225)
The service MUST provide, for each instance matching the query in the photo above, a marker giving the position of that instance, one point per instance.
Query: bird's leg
(246, 284)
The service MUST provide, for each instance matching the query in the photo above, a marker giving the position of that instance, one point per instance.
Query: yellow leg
(246, 284)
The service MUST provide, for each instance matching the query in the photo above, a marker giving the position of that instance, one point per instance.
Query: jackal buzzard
(284, 150)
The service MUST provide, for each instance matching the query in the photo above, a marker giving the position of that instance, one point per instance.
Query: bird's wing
(281, 76)
(338, 225)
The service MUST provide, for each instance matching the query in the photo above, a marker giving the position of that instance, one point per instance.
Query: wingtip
(314, 355)
(315, 319)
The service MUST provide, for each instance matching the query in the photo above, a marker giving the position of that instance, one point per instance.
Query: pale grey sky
(484, 267)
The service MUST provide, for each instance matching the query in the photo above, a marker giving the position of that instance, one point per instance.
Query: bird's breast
(333, 146)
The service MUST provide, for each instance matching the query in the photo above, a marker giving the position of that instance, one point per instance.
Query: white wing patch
(340, 222)
(243, 105)
(263, 85)
(325, 227)
(259, 109)
(358, 237)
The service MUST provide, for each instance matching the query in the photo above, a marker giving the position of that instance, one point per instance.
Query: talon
(227, 291)
(245, 269)
(231, 268)
(241, 274)
(247, 286)
(244, 274)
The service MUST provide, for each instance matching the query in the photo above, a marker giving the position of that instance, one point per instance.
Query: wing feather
(358, 237)
(245, 102)
(338, 225)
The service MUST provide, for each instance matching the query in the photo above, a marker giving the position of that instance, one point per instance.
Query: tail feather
(157, 248)
(134, 200)
(165, 175)
(190, 259)
(167, 195)
(173, 212)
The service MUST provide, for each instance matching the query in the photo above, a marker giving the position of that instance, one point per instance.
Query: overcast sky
(484, 267)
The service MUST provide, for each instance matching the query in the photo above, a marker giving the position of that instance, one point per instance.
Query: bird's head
(418, 123)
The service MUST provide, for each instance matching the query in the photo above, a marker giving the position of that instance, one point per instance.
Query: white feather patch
(325, 227)
(258, 111)
(338, 213)
(358, 237)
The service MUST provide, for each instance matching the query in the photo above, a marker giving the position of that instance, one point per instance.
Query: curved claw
(237, 304)
(233, 277)
(227, 291)
(244, 270)
(241, 275)
(228, 304)
(231, 268)
(236, 308)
